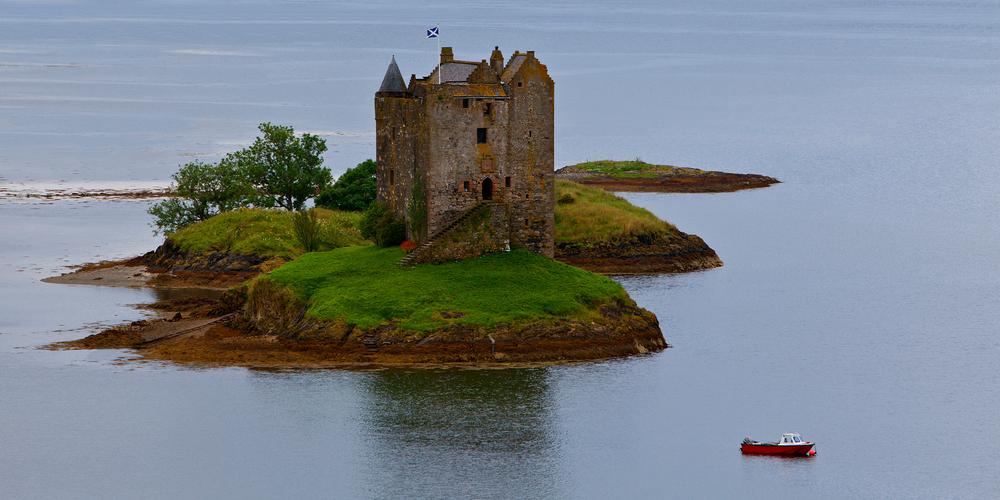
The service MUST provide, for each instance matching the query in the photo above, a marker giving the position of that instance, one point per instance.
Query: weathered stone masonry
(470, 131)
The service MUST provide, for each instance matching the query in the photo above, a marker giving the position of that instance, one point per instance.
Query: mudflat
(119, 274)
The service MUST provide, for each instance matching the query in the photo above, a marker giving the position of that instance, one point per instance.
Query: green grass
(613, 167)
(596, 216)
(631, 169)
(362, 286)
(267, 233)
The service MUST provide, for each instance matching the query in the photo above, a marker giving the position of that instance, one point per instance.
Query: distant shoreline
(640, 177)
(54, 192)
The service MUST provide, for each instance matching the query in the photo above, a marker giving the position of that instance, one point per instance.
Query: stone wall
(456, 159)
(531, 156)
(400, 153)
(485, 231)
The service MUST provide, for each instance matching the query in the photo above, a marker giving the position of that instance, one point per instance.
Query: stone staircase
(405, 261)
(370, 340)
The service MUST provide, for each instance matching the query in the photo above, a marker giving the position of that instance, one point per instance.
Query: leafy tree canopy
(202, 190)
(279, 169)
(353, 191)
(285, 169)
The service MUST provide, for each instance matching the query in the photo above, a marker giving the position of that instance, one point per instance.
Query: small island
(640, 177)
(469, 249)
(349, 305)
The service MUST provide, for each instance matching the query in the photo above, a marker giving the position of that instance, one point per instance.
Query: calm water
(859, 304)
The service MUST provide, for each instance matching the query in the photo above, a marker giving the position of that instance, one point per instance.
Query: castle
(472, 143)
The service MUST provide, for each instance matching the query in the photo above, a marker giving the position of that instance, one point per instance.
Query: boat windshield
(796, 439)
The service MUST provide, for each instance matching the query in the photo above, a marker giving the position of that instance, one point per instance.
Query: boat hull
(770, 449)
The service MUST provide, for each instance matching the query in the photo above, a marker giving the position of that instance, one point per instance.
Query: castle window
(465, 103)
(506, 181)
(529, 133)
(466, 186)
(481, 135)
(392, 177)
(393, 132)
(525, 222)
(519, 83)
(489, 107)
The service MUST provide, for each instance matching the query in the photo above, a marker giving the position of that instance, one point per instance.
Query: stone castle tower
(471, 136)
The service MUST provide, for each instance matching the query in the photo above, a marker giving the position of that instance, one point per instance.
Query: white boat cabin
(790, 439)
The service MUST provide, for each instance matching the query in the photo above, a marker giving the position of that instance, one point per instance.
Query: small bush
(307, 229)
(391, 230)
(382, 226)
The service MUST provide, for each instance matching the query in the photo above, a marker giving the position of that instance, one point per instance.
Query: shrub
(307, 229)
(391, 230)
(382, 226)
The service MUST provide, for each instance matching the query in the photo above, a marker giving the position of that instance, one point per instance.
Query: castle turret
(393, 80)
(496, 60)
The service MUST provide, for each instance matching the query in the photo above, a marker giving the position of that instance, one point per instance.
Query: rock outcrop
(642, 253)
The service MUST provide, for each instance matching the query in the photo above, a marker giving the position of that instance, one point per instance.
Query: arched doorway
(487, 189)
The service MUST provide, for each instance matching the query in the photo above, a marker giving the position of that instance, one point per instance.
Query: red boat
(790, 444)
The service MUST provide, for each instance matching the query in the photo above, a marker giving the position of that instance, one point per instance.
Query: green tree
(201, 190)
(382, 226)
(353, 191)
(285, 169)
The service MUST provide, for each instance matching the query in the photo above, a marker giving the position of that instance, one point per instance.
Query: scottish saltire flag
(432, 33)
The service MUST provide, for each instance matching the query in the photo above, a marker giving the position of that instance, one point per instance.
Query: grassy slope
(362, 286)
(637, 168)
(267, 233)
(596, 216)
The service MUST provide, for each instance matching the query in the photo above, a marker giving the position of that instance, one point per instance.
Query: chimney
(496, 60)
(447, 55)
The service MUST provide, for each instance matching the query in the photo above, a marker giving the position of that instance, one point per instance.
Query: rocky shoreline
(269, 332)
(642, 254)
(678, 180)
(203, 332)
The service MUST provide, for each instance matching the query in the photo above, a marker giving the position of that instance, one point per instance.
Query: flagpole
(439, 51)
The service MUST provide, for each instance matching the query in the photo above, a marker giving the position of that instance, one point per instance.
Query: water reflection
(461, 434)
(639, 283)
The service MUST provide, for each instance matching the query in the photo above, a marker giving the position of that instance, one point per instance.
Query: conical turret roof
(393, 81)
